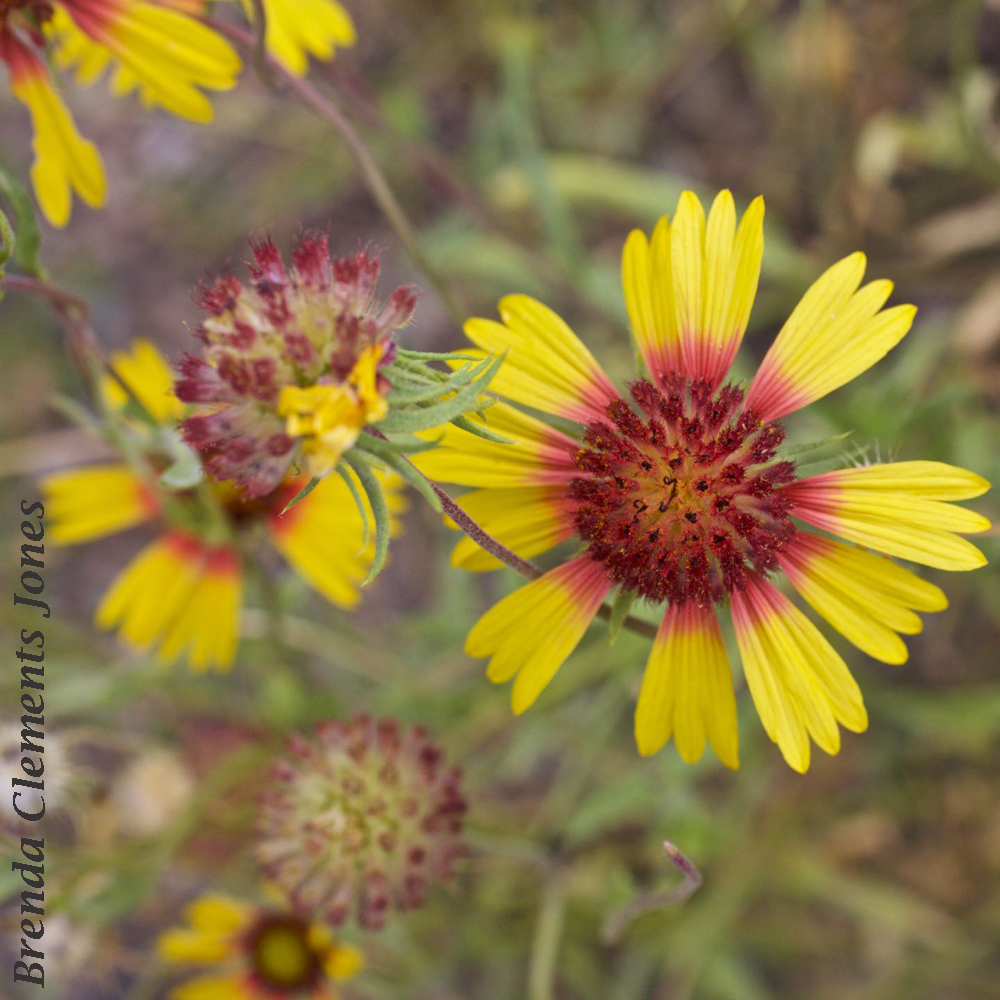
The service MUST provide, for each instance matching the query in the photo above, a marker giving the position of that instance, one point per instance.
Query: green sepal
(619, 612)
(376, 499)
(301, 495)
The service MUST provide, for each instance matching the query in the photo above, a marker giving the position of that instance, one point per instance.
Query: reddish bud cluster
(680, 504)
(359, 820)
(299, 326)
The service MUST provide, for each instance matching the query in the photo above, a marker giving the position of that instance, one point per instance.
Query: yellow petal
(547, 366)
(834, 334)
(537, 453)
(98, 500)
(64, 162)
(148, 376)
(531, 632)
(343, 961)
(799, 684)
(225, 987)
(687, 689)
(168, 55)
(297, 29)
(891, 510)
(689, 291)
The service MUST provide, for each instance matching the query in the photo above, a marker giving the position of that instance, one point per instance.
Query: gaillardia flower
(361, 819)
(683, 498)
(182, 594)
(255, 952)
(165, 54)
(293, 364)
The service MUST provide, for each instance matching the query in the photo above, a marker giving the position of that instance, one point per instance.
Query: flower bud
(292, 365)
(360, 820)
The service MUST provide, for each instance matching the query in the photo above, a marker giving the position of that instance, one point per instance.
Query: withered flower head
(292, 363)
(360, 820)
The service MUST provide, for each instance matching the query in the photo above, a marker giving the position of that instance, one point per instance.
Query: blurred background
(526, 139)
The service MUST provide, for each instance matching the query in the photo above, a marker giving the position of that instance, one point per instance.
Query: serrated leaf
(301, 495)
(342, 471)
(186, 471)
(380, 510)
(29, 238)
(619, 612)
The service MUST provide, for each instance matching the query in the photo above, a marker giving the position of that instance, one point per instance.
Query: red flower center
(678, 506)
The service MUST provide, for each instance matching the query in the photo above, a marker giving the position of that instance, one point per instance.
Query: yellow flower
(329, 418)
(259, 951)
(182, 594)
(163, 53)
(683, 498)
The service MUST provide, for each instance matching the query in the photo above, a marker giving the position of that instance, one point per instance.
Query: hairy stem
(374, 178)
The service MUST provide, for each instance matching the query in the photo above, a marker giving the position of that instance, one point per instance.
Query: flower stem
(548, 931)
(372, 173)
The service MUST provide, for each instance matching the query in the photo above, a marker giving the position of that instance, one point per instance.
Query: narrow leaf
(406, 446)
(479, 430)
(465, 400)
(435, 356)
(376, 498)
(301, 495)
(791, 451)
(407, 471)
(345, 474)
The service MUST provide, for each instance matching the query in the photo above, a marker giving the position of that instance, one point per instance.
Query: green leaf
(619, 612)
(398, 464)
(345, 474)
(29, 239)
(406, 446)
(449, 383)
(467, 399)
(473, 428)
(301, 495)
(436, 356)
(790, 451)
(379, 508)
